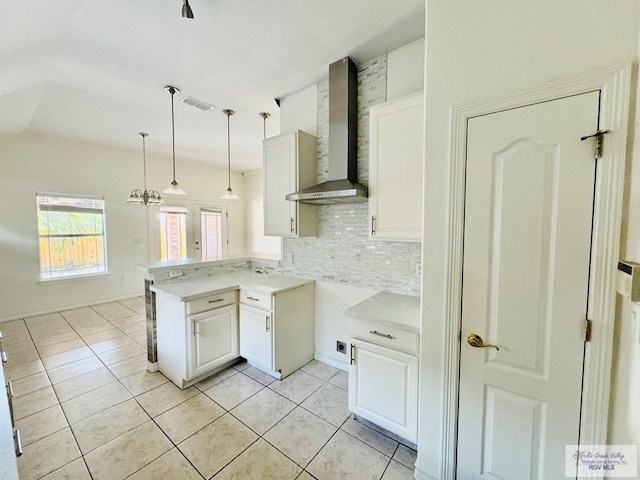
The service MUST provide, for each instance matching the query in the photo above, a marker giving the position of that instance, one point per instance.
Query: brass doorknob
(476, 342)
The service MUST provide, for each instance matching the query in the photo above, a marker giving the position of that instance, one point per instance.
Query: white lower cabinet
(383, 388)
(193, 343)
(215, 339)
(255, 337)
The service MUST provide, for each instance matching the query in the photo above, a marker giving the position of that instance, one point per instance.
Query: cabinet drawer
(256, 299)
(210, 302)
(384, 335)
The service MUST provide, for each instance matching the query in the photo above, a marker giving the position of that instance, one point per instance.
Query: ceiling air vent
(199, 104)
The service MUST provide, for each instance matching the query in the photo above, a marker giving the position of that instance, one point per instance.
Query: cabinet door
(395, 169)
(215, 339)
(383, 388)
(279, 180)
(255, 337)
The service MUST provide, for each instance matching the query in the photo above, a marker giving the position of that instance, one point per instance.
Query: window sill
(46, 282)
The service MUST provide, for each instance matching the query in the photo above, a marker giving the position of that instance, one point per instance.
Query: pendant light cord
(144, 160)
(173, 135)
(229, 147)
(264, 116)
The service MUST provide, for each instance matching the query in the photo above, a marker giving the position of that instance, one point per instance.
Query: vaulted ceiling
(95, 70)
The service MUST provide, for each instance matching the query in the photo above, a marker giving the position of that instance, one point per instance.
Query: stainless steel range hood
(342, 185)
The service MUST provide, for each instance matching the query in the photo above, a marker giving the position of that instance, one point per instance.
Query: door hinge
(587, 330)
(598, 149)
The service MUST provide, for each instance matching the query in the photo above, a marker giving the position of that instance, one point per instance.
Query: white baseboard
(321, 357)
(66, 307)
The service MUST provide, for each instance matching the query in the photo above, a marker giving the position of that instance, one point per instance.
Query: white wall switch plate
(175, 273)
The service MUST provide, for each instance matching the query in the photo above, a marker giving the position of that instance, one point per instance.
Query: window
(173, 233)
(71, 232)
(211, 232)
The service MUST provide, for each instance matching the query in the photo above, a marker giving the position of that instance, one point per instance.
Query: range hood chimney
(342, 185)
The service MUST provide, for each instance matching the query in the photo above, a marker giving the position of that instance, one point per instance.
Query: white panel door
(256, 337)
(279, 180)
(528, 216)
(383, 388)
(215, 339)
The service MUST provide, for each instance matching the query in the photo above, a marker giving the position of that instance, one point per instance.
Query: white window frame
(50, 277)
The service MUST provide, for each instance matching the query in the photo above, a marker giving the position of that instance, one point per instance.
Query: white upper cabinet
(289, 163)
(396, 145)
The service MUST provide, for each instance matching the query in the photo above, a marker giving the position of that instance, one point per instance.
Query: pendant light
(186, 10)
(229, 195)
(264, 116)
(173, 188)
(146, 197)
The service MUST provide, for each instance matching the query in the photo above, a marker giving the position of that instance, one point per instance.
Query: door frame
(614, 84)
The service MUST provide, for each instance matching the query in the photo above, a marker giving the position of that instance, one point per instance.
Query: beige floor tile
(259, 376)
(129, 367)
(260, 462)
(241, 365)
(305, 476)
(340, 379)
(227, 437)
(128, 453)
(76, 470)
(92, 338)
(405, 456)
(320, 370)
(73, 370)
(185, 419)
(89, 404)
(66, 358)
(263, 410)
(329, 403)
(17, 338)
(34, 402)
(128, 320)
(300, 435)
(134, 327)
(109, 424)
(171, 465)
(44, 341)
(140, 338)
(346, 457)
(18, 347)
(112, 343)
(13, 327)
(41, 424)
(233, 391)
(15, 371)
(144, 381)
(47, 455)
(97, 330)
(121, 354)
(30, 384)
(113, 310)
(297, 386)
(369, 436)
(164, 397)
(216, 378)
(25, 356)
(61, 347)
(397, 471)
(84, 384)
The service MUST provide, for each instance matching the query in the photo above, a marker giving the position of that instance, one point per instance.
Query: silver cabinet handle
(193, 326)
(10, 398)
(352, 354)
(4, 357)
(18, 442)
(3, 354)
(216, 300)
(385, 335)
(293, 221)
(266, 322)
(373, 224)
(254, 299)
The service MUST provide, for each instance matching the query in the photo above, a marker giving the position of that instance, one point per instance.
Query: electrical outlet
(289, 257)
(341, 347)
(417, 269)
(175, 273)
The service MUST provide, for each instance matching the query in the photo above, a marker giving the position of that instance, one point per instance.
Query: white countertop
(8, 465)
(184, 290)
(391, 309)
(157, 267)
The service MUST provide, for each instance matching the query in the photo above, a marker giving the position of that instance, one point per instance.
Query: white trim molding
(613, 83)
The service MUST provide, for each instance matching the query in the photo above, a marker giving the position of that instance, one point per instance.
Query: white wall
(257, 243)
(405, 70)
(481, 49)
(299, 111)
(34, 162)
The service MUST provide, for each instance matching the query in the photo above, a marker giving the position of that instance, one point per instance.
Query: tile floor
(87, 409)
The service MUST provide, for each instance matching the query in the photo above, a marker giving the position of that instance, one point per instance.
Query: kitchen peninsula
(202, 316)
